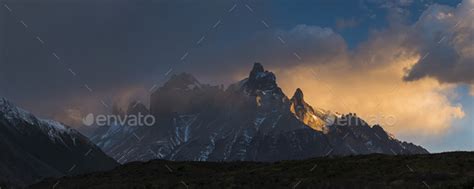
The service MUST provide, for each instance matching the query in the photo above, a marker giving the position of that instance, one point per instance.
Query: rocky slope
(251, 120)
(34, 148)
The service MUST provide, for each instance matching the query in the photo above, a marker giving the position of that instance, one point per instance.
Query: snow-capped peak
(11, 112)
(15, 115)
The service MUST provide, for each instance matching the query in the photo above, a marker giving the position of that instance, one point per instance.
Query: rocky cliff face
(251, 120)
(316, 119)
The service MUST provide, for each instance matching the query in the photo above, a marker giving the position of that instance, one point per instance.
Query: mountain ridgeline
(35, 148)
(251, 120)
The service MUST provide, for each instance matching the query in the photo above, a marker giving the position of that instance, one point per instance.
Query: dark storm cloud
(279, 48)
(124, 47)
(108, 45)
(444, 37)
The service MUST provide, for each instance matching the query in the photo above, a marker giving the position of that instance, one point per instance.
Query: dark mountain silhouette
(34, 148)
(251, 120)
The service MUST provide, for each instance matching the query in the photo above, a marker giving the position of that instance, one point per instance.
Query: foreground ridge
(445, 170)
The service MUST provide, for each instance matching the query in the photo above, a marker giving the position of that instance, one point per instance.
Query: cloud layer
(403, 76)
(434, 54)
(445, 37)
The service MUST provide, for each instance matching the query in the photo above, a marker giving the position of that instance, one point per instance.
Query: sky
(404, 64)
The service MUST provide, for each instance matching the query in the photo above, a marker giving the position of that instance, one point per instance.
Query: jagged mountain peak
(260, 79)
(298, 105)
(184, 75)
(298, 96)
(136, 107)
(257, 67)
(182, 81)
(305, 113)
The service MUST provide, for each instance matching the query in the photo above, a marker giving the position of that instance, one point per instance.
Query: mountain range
(251, 120)
(35, 148)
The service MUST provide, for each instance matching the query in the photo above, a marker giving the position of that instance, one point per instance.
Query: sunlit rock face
(251, 120)
(305, 113)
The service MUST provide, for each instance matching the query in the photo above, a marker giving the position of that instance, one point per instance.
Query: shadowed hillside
(446, 170)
